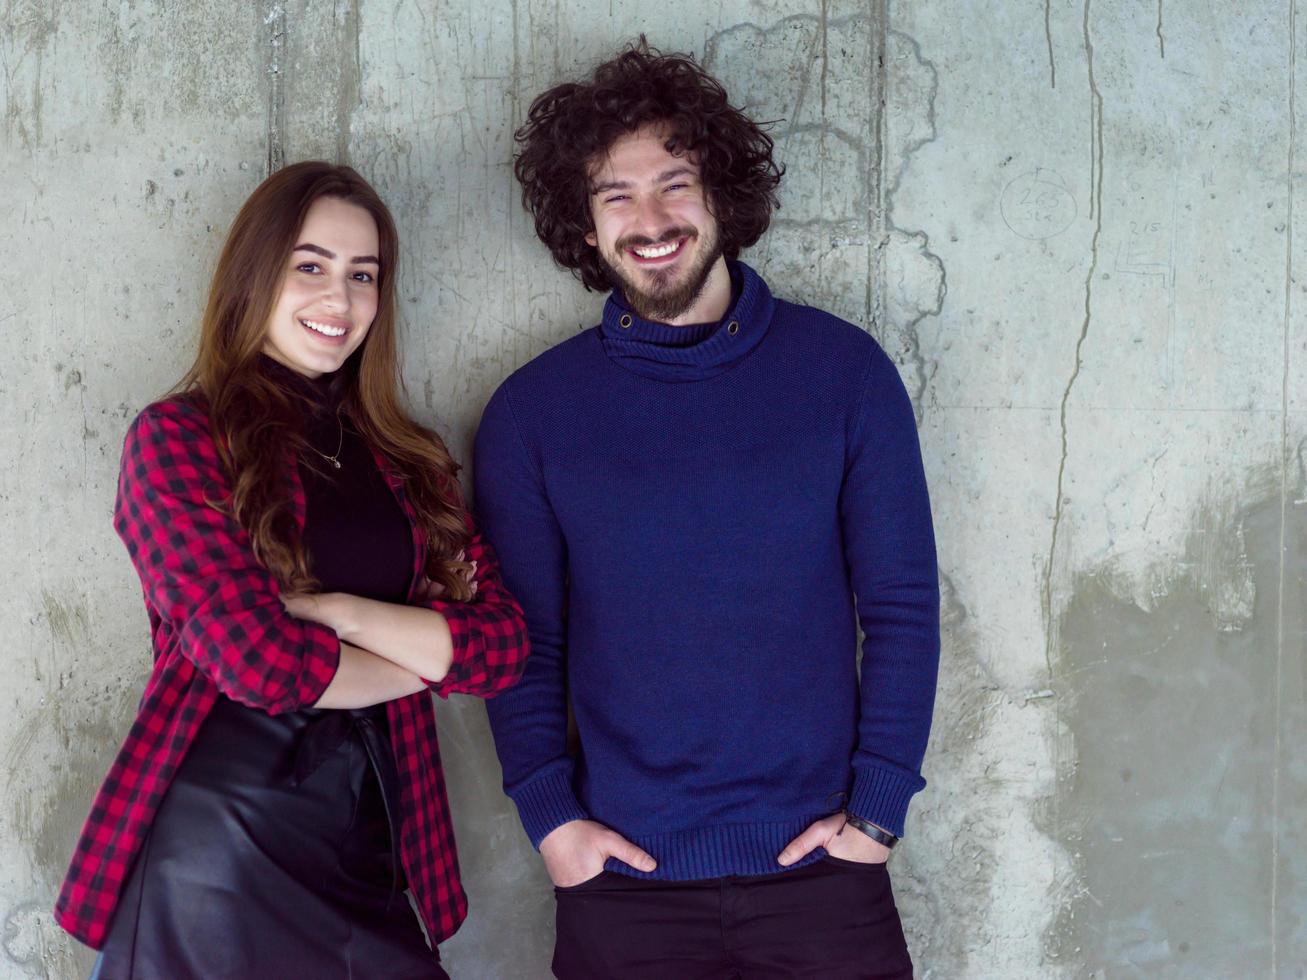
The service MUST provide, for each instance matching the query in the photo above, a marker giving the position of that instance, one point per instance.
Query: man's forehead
(641, 155)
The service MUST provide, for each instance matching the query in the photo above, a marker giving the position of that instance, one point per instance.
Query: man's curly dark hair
(570, 126)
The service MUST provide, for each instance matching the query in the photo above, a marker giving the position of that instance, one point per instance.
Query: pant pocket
(582, 886)
(857, 865)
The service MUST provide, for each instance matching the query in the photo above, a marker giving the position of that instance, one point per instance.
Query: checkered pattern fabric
(218, 626)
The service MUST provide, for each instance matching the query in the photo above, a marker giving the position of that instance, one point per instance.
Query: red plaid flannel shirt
(218, 626)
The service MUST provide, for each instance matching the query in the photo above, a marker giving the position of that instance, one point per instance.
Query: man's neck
(714, 299)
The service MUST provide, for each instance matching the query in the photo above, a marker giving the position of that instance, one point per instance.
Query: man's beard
(666, 298)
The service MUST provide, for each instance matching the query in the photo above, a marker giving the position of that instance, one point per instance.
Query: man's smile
(661, 254)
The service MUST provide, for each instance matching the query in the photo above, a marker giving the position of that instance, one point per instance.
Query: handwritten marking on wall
(1038, 205)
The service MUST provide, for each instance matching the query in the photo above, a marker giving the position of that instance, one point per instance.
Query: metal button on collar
(625, 321)
(733, 327)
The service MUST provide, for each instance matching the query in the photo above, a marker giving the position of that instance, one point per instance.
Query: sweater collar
(689, 353)
(324, 393)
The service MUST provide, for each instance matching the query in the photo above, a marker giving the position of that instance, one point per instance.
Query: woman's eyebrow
(328, 253)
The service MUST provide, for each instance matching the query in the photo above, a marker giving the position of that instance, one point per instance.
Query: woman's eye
(364, 277)
(308, 267)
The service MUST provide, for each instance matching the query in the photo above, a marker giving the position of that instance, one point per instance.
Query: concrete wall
(1071, 224)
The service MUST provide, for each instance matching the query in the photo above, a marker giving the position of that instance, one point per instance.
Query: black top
(355, 533)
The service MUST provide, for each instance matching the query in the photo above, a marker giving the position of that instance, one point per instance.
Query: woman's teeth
(324, 329)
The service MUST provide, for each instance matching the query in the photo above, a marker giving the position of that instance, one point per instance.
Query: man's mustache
(644, 241)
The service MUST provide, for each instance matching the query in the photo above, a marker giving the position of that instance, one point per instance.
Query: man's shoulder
(825, 341)
(554, 369)
(824, 325)
(547, 384)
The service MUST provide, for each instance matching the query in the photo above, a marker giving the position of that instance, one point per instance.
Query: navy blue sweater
(686, 515)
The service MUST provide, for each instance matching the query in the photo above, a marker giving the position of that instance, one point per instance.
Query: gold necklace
(334, 459)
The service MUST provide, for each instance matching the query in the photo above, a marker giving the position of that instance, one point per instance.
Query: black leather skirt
(273, 855)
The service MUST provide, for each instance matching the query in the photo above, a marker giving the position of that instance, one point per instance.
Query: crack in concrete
(1161, 41)
(825, 59)
(850, 226)
(1284, 492)
(916, 144)
(1096, 208)
(877, 225)
(274, 19)
(823, 37)
(34, 26)
(798, 101)
(922, 375)
(874, 290)
(861, 226)
(349, 88)
(515, 214)
(1048, 37)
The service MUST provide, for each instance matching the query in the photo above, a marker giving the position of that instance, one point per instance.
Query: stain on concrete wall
(62, 747)
(1171, 809)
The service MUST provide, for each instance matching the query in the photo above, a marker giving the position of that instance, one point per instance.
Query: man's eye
(615, 199)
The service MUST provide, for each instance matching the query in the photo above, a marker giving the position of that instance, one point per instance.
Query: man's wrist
(879, 834)
(545, 839)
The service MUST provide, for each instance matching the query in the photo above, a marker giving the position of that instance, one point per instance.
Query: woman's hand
(429, 590)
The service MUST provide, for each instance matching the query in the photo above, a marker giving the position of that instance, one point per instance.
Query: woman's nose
(335, 293)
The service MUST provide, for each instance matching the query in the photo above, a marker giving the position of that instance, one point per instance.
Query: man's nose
(653, 217)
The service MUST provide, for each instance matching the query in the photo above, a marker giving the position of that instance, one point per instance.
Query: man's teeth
(322, 328)
(657, 251)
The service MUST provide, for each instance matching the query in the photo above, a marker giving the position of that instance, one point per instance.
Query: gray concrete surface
(1071, 224)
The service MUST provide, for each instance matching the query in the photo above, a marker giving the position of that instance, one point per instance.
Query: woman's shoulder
(182, 417)
(184, 407)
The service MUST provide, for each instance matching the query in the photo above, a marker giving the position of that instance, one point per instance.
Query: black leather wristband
(871, 830)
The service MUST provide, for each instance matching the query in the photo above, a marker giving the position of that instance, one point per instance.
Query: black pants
(834, 919)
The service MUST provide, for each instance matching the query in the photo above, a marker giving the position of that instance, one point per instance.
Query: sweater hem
(738, 849)
(545, 804)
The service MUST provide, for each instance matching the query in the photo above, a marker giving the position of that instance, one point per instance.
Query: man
(687, 499)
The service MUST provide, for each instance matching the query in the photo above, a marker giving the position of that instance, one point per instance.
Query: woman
(310, 573)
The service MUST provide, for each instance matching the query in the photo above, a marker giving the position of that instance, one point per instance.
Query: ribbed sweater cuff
(546, 803)
(882, 795)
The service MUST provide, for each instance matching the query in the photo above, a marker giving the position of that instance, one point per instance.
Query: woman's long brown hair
(259, 424)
